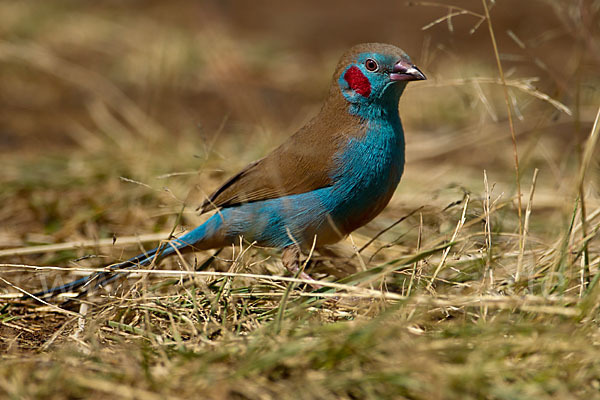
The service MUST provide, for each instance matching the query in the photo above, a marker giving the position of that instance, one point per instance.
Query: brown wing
(302, 164)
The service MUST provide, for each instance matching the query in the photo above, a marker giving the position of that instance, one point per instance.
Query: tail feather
(97, 279)
(104, 277)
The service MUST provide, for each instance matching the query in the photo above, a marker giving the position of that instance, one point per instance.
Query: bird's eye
(371, 65)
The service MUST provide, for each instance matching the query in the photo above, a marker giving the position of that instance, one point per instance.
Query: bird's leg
(290, 257)
(291, 261)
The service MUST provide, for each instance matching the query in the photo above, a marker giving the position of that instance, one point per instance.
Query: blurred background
(113, 114)
(184, 64)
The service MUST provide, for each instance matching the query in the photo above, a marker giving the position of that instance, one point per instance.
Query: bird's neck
(381, 109)
(384, 107)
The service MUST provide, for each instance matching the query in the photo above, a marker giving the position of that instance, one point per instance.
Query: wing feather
(303, 163)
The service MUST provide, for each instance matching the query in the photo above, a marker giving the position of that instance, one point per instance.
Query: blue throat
(385, 106)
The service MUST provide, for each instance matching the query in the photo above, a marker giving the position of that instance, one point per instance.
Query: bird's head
(374, 73)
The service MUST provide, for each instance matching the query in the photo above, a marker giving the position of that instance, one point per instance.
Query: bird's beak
(405, 71)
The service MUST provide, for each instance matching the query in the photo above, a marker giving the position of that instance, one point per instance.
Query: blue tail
(191, 240)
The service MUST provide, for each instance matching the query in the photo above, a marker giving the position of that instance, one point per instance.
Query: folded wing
(303, 163)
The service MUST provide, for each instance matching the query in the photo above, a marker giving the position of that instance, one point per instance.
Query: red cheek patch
(357, 81)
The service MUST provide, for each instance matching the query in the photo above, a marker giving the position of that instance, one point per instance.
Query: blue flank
(369, 169)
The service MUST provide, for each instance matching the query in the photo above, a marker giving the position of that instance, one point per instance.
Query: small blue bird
(331, 177)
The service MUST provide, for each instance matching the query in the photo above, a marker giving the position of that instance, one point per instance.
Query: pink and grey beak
(405, 71)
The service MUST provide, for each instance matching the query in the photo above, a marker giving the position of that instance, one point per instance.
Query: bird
(332, 176)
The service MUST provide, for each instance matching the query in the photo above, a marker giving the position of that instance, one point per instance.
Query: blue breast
(370, 168)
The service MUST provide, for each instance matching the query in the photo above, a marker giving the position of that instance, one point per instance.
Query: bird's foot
(291, 261)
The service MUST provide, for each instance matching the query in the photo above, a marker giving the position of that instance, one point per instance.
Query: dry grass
(441, 297)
